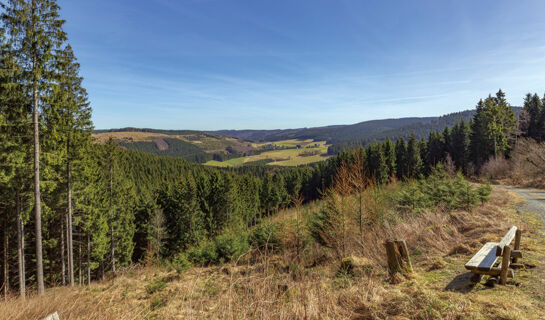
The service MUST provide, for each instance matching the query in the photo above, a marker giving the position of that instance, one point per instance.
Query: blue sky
(261, 64)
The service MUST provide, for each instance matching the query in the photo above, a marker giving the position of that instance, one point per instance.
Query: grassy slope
(272, 289)
(284, 157)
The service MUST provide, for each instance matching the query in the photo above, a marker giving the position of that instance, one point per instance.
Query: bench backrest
(506, 240)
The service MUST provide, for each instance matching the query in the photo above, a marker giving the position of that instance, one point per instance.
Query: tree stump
(398, 257)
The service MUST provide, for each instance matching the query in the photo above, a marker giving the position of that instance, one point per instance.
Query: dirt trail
(535, 200)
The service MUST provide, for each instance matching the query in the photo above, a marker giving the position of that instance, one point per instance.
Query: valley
(233, 148)
(271, 160)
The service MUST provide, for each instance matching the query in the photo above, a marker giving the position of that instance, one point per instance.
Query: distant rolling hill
(195, 146)
(363, 132)
(222, 145)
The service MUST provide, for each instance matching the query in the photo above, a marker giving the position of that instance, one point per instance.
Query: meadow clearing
(309, 151)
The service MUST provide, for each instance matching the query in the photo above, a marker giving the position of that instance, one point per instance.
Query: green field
(228, 163)
(309, 152)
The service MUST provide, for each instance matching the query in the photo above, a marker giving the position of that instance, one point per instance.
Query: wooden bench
(484, 261)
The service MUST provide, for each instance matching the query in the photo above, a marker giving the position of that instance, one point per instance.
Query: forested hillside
(195, 146)
(366, 131)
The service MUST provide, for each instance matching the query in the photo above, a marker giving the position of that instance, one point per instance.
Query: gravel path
(535, 197)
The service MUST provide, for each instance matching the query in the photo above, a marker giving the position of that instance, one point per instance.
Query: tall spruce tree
(459, 151)
(436, 149)
(119, 197)
(91, 202)
(414, 160)
(401, 158)
(69, 129)
(34, 30)
(15, 137)
(533, 108)
(493, 126)
(376, 163)
(390, 157)
(541, 126)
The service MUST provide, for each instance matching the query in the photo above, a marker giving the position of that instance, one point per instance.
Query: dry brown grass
(277, 286)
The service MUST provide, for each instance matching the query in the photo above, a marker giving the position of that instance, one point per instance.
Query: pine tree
(447, 142)
(541, 126)
(401, 158)
(493, 126)
(34, 30)
(376, 163)
(459, 151)
(435, 151)
(533, 107)
(390, 156)
(118, 197)
(414, 161)
(70, 130)
(423, 147)
(91, 202)
(480, 144)
(15, 141)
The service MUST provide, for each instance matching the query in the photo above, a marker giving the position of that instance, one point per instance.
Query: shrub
(528, 163)
(331, 225)
(204, 254)
(412, 198)
(346, 268)
(157, 302)
(439, 190)
(466, 196)
(231, 246)
(156, 286)
(483, 192)
(496, 168)
(226, 247)
(265, 237)
(317, 226)
(181, 263)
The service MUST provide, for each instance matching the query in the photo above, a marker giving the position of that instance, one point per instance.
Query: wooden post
(398, 256)
(404, 253)
(518, 235)
(391, 253)
(505, 264)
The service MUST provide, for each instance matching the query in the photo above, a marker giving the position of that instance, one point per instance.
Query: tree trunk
(112, 249)
(21, 250)
(495, 148)
(79, 264)
(63, 265)
(37, 196)
(69, 226)
(88, 259)
(50, 255)
(361, 213)
(6, 262)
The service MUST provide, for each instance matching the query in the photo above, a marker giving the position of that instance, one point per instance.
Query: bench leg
(518, 235)
(491, 282)
(505, 264)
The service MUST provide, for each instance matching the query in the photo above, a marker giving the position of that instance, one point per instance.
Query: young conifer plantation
(73, 211)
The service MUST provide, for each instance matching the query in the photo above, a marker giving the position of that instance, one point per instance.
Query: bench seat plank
(484, 259)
